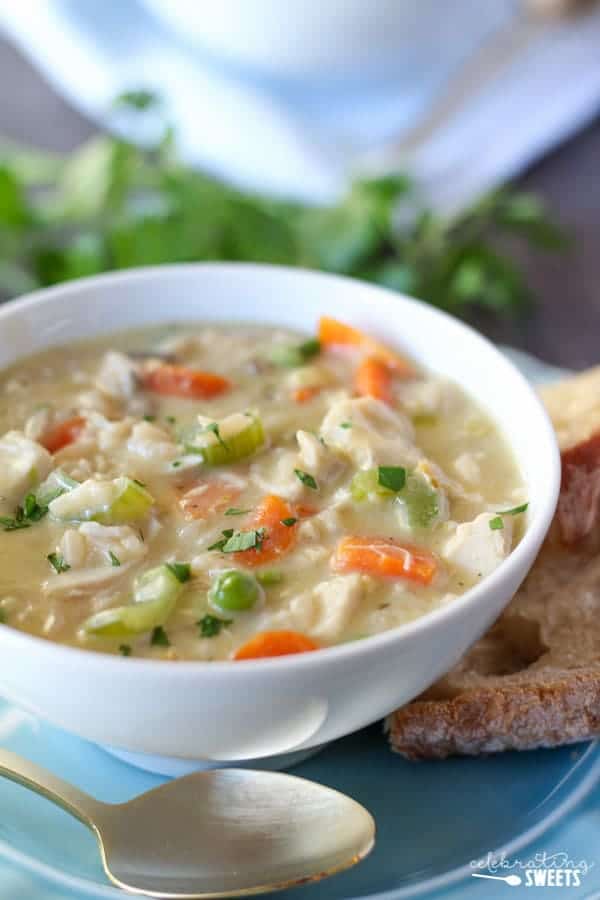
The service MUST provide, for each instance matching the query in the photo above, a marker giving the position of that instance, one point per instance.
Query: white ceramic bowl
(256, 709)
(309, 39)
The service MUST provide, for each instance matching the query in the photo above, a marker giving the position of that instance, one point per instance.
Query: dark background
(564, 327)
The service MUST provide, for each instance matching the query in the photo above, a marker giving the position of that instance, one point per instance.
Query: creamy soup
(211, 493)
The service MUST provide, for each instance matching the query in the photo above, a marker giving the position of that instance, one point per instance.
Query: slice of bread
(533, 680)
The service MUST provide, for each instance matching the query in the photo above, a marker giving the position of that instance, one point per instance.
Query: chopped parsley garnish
(306, 479)
(514, 511)
(234, 541)
(124, 649)
(13, 524)
(31, 511)
(345, 424)
(159, 637)
(181, 571)
(497, 523)
(289, 521)
(215, 430)
(146, 419)
(289, 357)
(139, 483)
(391, 477)
(175, 464)
(245, 540)
(210, 626)
(218, 545)
(114, 558)
(234, 511)
(58, 563)
(170, 419)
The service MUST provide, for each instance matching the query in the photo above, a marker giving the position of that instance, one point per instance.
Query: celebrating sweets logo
(541, 870)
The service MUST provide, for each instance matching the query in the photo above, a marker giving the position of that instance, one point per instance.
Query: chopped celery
(155, 595)
(367, 483)
(56, 483)
(227, 441)
(113, 502)
(155, 584)
(123, 621)
(132, 502)
(420, 501)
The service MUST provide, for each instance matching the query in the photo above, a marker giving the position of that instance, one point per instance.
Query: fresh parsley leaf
(181, 571)
(290, 357)
(171, 420)
(114, 559)
(25, 515)
(149, 419)
(213, 426)
(345, 425)
(218, 545)
(497, 523)
(234, 511)
(159, 637)
(139, 483)
(391, 477)
(148, 208)
(13, 524)
(210, 626)
(58, 563)
(514, 511)
(289, 521)
(306, 479)
(140, 100)
(31, 509)
(124, 649)
(244, 540)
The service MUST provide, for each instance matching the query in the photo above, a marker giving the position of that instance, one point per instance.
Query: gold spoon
(217, 833)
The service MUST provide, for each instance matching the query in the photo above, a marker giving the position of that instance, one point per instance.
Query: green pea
(233, 591)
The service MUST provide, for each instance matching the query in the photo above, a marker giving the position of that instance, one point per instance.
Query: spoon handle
(70, 798)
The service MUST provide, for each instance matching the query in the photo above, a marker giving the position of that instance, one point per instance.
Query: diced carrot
(373, 378)
(305, 394)
(383, 557)
(179, 381)
(275, 643)
(278, 539)
(333, 333)
(63, 434)
(207, 498)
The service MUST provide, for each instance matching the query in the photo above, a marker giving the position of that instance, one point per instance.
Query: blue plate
(433, 819)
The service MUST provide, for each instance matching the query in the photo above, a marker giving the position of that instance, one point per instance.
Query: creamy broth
(309, 494)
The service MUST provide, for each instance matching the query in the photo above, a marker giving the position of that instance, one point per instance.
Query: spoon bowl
(218, 833)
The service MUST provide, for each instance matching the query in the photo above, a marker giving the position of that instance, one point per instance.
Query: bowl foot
(175, 767)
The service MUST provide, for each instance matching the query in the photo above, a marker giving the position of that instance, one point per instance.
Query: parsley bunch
(114, 205)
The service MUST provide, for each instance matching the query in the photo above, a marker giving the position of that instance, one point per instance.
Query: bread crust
(560, 709)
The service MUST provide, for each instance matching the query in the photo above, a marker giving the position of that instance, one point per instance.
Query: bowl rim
(534, 533)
